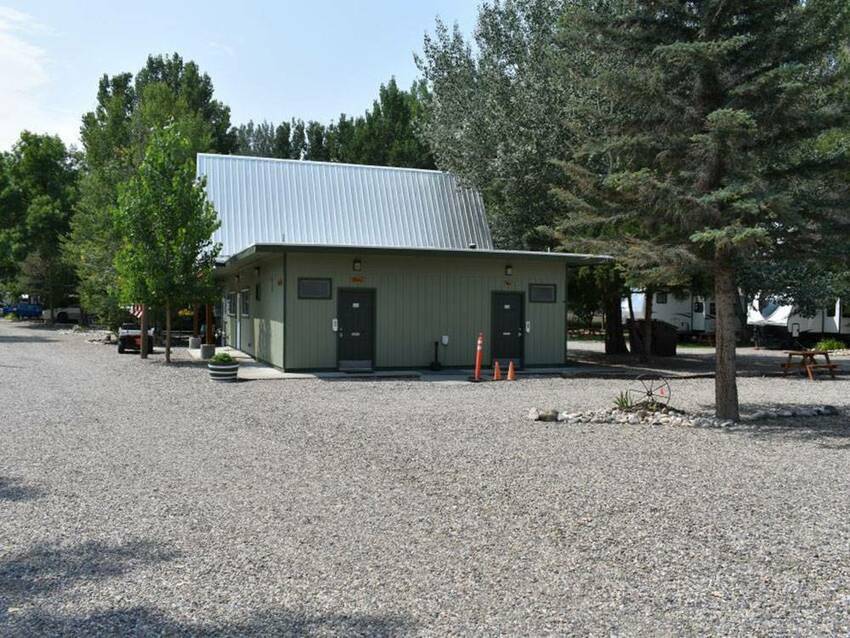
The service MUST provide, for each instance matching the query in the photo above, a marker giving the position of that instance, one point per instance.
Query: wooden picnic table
(808, 362)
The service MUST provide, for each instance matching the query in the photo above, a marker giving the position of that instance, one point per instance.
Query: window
(314, 288)
(712, 309)
(257, 292)
(246, 303)
(231, 303)
(845, 308)
(661, 298)
(542, 293)
(699, 306)
(830, 309)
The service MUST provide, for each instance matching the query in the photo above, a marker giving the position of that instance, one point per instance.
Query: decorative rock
(666, 416)
(543, 415)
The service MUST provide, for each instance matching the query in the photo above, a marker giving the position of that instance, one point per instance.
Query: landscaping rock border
(671, 416)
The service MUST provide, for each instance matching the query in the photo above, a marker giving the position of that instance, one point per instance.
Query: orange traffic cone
(511, 371)
(497, 371)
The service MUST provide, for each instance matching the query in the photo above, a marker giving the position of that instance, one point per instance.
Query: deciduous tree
(167, 255)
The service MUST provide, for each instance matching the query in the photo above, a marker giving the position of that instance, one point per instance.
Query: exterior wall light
(509, 270)
(357, 265)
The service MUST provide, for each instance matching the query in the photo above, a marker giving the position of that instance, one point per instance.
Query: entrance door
(239, 321)
(356, 329)
(507, 323)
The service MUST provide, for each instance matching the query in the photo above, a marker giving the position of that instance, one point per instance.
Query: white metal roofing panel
(263, 200)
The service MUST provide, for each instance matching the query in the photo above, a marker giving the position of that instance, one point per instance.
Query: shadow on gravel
(831, 432)
(146, 621)
(25, 339)
(12, 489)
(46, 569)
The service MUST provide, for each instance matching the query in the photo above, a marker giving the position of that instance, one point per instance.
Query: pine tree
(717, 147)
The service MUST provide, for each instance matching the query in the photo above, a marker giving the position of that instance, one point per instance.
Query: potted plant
(223, 367)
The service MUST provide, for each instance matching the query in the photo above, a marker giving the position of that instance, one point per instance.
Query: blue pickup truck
(24, 310)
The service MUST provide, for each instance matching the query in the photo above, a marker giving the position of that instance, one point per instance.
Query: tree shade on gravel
(139, 499)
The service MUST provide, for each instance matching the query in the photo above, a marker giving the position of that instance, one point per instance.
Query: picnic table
(808, 362)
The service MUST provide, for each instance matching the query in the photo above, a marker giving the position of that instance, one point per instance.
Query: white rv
(693, 315)
(784, 325)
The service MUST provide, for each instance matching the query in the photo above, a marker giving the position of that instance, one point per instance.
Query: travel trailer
(775, 324)
(772, 324)
(693, 315)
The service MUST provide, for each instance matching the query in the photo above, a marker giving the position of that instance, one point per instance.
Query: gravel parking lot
(137, 499)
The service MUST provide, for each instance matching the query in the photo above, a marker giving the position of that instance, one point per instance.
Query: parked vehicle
(693, 315)
(24, 310)
(67, 314)
(784, 326)
(130, 338)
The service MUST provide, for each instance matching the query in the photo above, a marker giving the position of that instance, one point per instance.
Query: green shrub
(11, 317)
(221, 358)
(624, 401)
(830, 344)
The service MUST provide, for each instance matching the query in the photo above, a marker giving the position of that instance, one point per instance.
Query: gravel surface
(139, 499)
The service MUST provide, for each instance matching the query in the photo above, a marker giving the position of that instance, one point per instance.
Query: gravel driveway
(139, 499)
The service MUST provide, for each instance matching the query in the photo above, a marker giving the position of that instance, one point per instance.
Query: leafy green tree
(39, 190)
(298, 142)
(282, 141)
(317, 150)
(166, 225)
(496, 111)
(115, 136)
(385, 135)
(716, 148)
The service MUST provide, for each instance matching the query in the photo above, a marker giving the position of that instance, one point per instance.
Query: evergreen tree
(717, 146)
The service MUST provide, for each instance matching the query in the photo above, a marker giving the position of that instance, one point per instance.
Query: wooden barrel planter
(223, 367)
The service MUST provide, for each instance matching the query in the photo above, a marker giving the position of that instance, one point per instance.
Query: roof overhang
(260, 251)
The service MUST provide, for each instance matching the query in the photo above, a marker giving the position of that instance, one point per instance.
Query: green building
(330, 266)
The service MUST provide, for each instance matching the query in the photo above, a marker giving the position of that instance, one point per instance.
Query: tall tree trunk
(168, 333)
(195, 321)
(649, 294)
(725, 381)
(143, 340)
(615, 342)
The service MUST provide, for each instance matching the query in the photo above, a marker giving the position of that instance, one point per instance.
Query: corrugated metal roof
(263, 200)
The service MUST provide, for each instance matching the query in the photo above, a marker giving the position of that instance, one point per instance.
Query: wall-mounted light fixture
(357, 265)
(237, 278)
(257, 271)
(509, 270)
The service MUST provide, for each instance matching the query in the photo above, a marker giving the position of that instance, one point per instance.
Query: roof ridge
(327, 163)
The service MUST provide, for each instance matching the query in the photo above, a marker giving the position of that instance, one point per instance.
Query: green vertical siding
(262, 331)
(419, 299)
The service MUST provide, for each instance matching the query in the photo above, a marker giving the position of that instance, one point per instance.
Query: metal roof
(275, 201)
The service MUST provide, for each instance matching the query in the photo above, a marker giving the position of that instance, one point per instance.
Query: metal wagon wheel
(650, 388)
